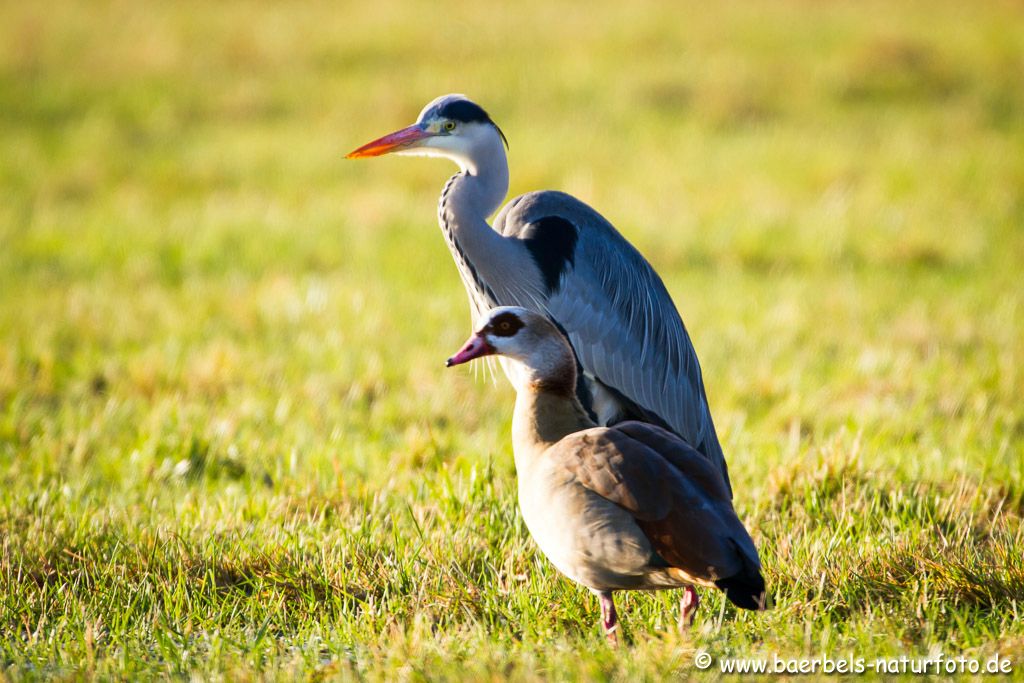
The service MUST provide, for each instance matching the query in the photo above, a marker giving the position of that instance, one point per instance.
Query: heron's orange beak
(475, 347)
(400, 139)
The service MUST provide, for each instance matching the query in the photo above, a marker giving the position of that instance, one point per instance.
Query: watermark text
(932, 664)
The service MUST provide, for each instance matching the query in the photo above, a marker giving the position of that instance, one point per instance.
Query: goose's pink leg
(609, 619)
(687, 606)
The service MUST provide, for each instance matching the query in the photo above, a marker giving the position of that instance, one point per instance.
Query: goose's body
(629, 507)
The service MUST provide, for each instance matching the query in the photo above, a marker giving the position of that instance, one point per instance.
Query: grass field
(228, 444)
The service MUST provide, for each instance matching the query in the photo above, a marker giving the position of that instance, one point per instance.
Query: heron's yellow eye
(449, 126)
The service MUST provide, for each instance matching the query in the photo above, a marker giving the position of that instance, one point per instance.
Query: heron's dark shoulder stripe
(551, 241)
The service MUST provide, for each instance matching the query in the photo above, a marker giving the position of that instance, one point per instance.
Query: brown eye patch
(505, 325)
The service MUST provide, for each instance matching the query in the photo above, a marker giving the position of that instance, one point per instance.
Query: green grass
(228, 444)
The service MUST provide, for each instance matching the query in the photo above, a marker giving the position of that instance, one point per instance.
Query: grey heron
(627, 507)
(551, 253)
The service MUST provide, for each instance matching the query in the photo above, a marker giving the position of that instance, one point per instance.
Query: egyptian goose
(627, 507)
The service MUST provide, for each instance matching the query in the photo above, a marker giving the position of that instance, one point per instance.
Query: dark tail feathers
(745, 590)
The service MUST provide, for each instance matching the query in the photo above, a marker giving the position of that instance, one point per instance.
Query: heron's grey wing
(617, 313)
(688, 526)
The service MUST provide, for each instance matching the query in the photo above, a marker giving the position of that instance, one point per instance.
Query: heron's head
(452, 126)
(528, 338)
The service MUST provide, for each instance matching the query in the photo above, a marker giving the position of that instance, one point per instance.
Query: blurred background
(209, 318)
(832, 191)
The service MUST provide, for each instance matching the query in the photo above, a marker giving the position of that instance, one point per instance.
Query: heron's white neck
(476, 192)
(484, 177)
(489, 263)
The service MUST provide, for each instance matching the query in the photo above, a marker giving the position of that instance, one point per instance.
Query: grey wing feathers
(622, 322)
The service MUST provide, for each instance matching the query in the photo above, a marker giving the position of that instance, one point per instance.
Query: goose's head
(529, 339)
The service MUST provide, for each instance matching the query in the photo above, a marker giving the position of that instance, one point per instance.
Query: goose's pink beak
(475, 347)
(393, 142)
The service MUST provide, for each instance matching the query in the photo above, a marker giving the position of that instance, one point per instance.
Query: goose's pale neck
(543, 418)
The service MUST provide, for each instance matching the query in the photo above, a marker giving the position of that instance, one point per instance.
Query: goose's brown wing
(688, 523)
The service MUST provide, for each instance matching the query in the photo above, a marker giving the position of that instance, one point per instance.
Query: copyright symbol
(702, 660)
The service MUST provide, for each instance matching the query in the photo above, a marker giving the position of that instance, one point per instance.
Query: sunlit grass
(228, 444)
